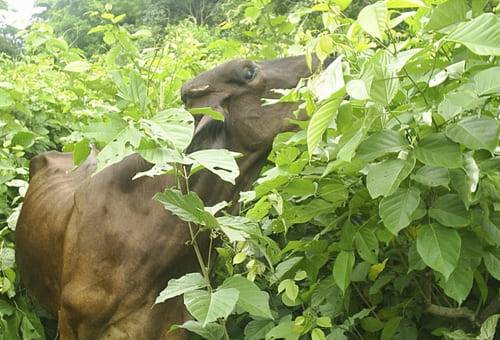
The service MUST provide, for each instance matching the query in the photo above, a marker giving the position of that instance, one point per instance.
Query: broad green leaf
(131, 86)
(450, 211)
(492, 262)
(475, 133)
(207, 307)
(437, 150)
(374, 19)
(24, 139)
(402, 58)
(459, 285)
(486, 81)
(317, 334)
(286, 329)
(356, 88)
(320, 121)
(257, 329)
(384, 178)
(81, 151)
(405, 3)
(481, 35)
(343, 4)
(290, 288)
(251, 298)
(396, 210)
(211, 331)
(489, 328)
(284, 268)
(432, 176)
(342, 269)
(439, 247)
(382, 83)
(380, 144)
(330, 81)
(184, 284)
(174, 126)
(219, 161)
(122, 145)
(455, 103)
(367, 245)
(207, 111)
(188, 207)
(348, 150)
(78, 66)
(390, 328)
(445, 14)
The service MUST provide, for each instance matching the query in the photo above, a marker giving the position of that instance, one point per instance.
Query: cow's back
(42, 223)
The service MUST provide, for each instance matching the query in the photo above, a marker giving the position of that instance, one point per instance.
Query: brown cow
(96, 251)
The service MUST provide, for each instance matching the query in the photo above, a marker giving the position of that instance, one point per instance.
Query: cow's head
(236, 89)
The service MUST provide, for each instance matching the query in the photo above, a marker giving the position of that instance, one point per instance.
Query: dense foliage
(379, 218)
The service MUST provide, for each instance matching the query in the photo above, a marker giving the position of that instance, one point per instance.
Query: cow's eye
(249, 73)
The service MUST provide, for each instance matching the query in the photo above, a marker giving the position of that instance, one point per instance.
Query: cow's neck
(210, 187)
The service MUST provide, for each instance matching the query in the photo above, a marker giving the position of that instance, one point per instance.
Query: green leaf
(290, 287)
(356, 88)
(122, 145)
(390, 328)
(481, 35)
(489, 328)
(396, 210)
(24, 139)
(432, 176)
(286, 329)
(486, 81)
(174, 126)
(450, 211)
(384, 178)
(492, 263)
(207, 307)
(343, 4)
(381, 143)
(257, 329)
(219, 161)
(184, 284)
(251, 298)
(342, 269)
(211, 331)
(448, 13)
(330, 82)
(188, 207)
(405, 3)
(367, 245)
(374, 19)
(439, 248)
(382, 82)
(317, 334)
(320, 121)
(78, 66)
(81, 151)
(459, 285)
(349, 149)
(207, 111)
(475, 133)
(437, 150)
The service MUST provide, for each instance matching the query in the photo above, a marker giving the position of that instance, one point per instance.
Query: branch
(492, 308)
(453, 313)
